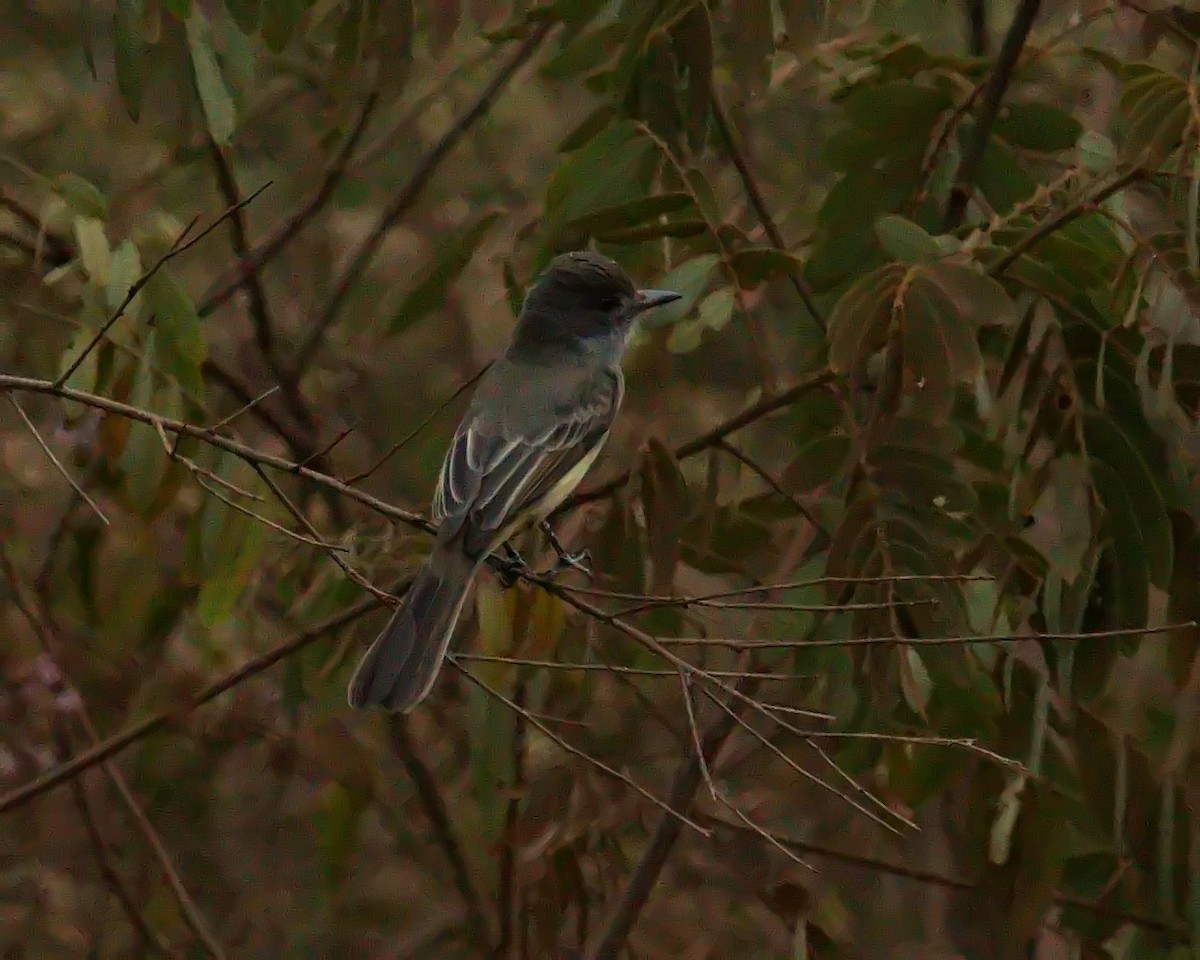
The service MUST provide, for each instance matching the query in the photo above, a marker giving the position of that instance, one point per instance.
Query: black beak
(649, 299)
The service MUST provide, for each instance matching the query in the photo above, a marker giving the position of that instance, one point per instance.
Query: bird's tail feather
(399, 669)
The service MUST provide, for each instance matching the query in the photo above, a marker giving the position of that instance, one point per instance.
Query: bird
(535, 425)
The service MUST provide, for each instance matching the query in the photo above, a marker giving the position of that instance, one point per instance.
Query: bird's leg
(566, 561)
(509, 567)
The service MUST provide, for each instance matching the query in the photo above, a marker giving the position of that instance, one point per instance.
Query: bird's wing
(494, 472)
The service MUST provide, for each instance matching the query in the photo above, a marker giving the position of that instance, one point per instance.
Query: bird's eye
(609, 303)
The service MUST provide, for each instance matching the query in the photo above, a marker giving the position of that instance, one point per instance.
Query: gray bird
(535, 425)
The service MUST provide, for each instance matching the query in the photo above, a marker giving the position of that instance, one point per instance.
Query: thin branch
(43, 626)
(241, 450)
(739, 644)
(60, 250)
(407, 438)
(353, 575)
(434, 804)
(178, 248)
(114, 744)
(101, 850)
(57, 463)
(289, 228)
(411, 192)
(666, 806)
(978, 40)
(615, 668)
(935, 879)
(759, 471)
(754, 194)
(1056, 222)
(989, 109)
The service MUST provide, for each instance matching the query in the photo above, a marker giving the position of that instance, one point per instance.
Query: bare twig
(407, 438)
(434, 804)
(193, 917)
(286, 230)
(1057, 221)
(754, 194)
(978, 40)
(101, 850)
(113, 745)
(246, 453)
(179, 247)
(666, 806)
(404, 200)
(952, 883)
(57, 463)
(989, 108)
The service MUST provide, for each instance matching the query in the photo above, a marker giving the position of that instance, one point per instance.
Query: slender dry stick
(407, 438)
(101, 850)
(80, 492)
(241, 450)
(411, 192)
(940, 880)
(114, 744)
(1053, 224)
(978, 40)
(434, 804)
(989, 108)
(666, 806)
(43, 625)
(352, 574)
(763, 474)
(754, 194)
(178, 248)
(60, 249)
(289, 228)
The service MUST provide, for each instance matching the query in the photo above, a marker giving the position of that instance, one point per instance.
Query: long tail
(399, 669)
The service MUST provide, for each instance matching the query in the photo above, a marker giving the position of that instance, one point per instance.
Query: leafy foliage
(896, 502)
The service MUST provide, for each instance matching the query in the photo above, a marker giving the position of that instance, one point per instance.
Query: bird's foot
(580, 561)
(509, 567)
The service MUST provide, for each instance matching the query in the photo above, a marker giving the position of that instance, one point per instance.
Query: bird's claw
(580, 561)
(509, 567)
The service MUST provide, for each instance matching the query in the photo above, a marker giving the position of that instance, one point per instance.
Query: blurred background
(890, 649)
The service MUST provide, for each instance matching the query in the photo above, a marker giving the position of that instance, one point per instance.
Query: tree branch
(110, 747)
(434, 805)
(989, 108)
(289, 228)
(754, 194)
(411, 192)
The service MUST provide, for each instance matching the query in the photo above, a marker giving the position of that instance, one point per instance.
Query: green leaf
(818, 463)
(93, 249)
(859, 322)
(754, 265)
(915, 681)
(234, 568)
(1001, 179)
(630, 213)
(125, 269)
(903, 240)
(693, 46)
(178, 340)
(1108, 443)
(245, 13)
(689, 280)
(143, 461)
(589, 127)
(129, 48)
(453, 252)
(84, 377)
(606, 172)
(219, 111)
(1038, 126)
(1156, 109)
(336, 824)
(665, 496)
(897, 110)
(81, 195)
(280, 19)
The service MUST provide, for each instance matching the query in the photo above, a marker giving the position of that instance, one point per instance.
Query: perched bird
(535, 425)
